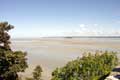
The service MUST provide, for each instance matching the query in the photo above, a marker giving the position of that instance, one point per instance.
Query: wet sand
(51, 53)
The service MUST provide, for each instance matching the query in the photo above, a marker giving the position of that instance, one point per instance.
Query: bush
(90, 67)
(36, 73)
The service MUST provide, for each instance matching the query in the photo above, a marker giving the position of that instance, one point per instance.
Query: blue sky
(36, 18)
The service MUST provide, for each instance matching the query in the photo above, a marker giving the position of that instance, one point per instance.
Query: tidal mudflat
(51, 53)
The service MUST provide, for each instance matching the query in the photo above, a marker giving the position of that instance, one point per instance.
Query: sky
(43, 18)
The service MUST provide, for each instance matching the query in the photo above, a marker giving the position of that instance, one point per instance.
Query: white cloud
(82, 25)
(92, 30)
(95, 24)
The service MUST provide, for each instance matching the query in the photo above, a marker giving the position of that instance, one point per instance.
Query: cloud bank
(92, 30)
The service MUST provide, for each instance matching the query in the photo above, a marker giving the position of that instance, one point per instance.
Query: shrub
(90, 67)
(36, 73)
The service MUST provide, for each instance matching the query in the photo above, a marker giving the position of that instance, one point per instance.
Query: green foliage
(36, 73)
(29, 79)
(4, 36)
(90, 67)
(11, 62)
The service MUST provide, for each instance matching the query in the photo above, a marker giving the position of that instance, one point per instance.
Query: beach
(51, 53)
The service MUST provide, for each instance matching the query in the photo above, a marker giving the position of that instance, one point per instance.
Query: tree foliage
(4, 36)
(91, 67)
(36, 73)
(11, 62)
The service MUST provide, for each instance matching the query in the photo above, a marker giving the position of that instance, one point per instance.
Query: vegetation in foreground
(91, 67)
(36, 74)
(11, 62)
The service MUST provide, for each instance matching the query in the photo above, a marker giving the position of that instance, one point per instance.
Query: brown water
(51, 53)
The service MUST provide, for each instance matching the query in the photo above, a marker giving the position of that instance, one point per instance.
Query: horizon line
(66, 37)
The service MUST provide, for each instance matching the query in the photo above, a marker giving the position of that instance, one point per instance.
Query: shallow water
(51, 53)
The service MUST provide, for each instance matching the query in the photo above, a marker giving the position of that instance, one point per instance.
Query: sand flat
(51, 53)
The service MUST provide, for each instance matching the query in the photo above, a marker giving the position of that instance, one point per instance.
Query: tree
(11, 62)
(90, 67)
(4, 36)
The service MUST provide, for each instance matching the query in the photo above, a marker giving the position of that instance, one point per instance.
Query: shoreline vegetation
(88, 67)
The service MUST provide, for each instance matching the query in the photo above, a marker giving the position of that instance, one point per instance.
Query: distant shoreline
(67, 37)
(83, 37)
